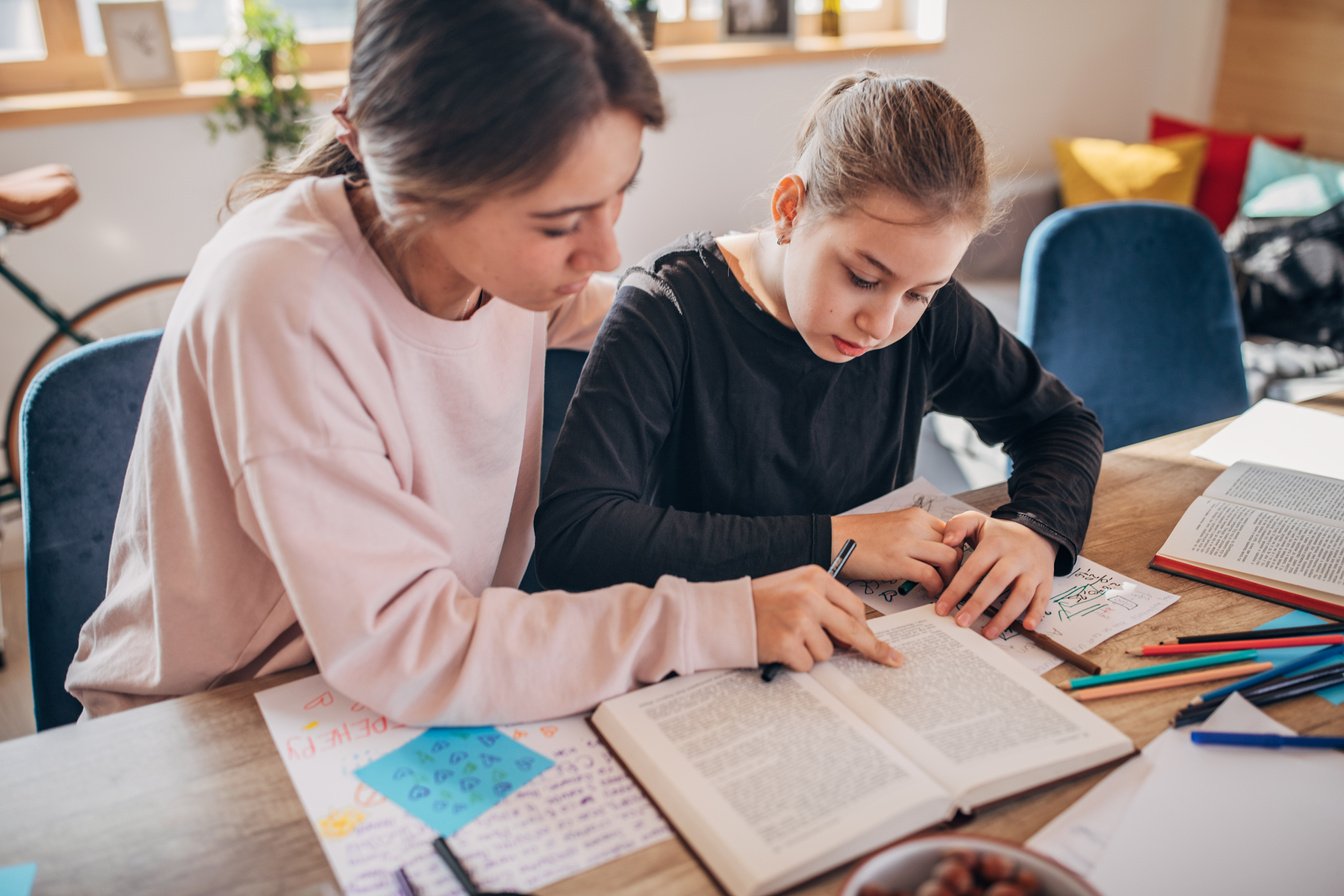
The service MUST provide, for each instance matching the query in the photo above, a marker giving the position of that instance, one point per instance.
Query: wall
(1026, 69)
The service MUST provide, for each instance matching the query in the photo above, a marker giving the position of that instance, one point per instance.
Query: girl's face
(860, 280)
(538, 248)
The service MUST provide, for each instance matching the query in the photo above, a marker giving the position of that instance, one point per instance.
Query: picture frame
(757, 20)
(139, 45)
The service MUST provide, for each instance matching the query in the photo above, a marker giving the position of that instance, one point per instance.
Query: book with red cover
(1267, 532)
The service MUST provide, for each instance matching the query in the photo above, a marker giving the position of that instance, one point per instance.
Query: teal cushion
(1283, 183)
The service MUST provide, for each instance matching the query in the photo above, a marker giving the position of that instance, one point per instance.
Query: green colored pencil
(1087, 681)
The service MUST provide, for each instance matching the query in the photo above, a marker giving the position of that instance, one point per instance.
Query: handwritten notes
(448, 776)
(1087, 606)
(582, 811)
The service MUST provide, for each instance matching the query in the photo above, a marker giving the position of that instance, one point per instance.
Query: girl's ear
(785, 205)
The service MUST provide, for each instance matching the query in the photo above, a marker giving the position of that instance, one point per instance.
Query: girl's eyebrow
(573, 209)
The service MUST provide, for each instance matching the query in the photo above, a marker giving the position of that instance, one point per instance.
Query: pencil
(404, 886)
(1217, 659)
(1277, 671)
(1274, 741)
(1204, 710)
(1169, 681)
(1253, 644)
(770, 670)
(1325, 628)
(1053, 647)
(1275, 685)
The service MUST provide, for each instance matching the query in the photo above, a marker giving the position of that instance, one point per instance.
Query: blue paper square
(448, 776)
(17, 880)
(1287, 654)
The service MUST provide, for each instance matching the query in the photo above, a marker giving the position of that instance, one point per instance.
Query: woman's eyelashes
(557, 232)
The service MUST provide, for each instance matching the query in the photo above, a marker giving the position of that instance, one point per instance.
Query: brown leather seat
(34, 196)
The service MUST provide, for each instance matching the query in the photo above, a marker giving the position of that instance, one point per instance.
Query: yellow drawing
(311, 725)
(340, 822)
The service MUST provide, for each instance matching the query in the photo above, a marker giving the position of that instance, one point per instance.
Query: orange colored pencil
(1215, 646)
(1170, 681)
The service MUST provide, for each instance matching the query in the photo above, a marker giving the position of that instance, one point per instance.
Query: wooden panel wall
(1282, 71)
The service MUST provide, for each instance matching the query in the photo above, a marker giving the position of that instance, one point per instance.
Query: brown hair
(454, 102)
(868, 132)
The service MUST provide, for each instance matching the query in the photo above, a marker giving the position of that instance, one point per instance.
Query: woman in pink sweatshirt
(337, 460)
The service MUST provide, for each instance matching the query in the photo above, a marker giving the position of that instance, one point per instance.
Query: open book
(1266, 532)
(772, 783)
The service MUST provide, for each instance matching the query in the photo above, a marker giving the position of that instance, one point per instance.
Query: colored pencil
(1204, 710)
(1252, 644)
(1324, 628)
(1273, 686)
(1217, 659)
(1280, 669)
(1048, 644)
(1169, 681)
(1274, 741)
(770, 670)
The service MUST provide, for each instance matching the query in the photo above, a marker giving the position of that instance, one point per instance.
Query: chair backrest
(1132, 305)
(78, 425)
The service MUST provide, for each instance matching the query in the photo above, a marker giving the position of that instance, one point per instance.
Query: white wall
(1026, 69)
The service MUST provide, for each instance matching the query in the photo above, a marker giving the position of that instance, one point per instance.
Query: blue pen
(1235, 739)
(1315, 656)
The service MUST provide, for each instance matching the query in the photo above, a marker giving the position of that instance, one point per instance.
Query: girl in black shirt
(745, 389)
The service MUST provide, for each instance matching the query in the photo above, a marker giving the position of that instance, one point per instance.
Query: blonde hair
(455, 102)
(869, 132)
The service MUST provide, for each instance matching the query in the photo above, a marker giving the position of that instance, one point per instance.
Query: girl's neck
(425, 279)
(757, 263)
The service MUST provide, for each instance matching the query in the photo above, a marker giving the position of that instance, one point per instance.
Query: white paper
(1221, 819)
(1086, 607)
(580, 813)
(1282, 435)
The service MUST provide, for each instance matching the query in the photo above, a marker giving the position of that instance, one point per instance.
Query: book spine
(1245, 586)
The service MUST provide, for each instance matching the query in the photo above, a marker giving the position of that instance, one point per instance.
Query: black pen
(770, 670)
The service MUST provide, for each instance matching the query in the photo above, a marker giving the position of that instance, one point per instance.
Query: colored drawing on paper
(448, 776)
(340, 822)
(17, 880)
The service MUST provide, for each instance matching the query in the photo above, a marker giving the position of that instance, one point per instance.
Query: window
(697, 21)
(69, 58)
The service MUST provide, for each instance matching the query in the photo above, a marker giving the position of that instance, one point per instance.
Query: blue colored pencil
(1087, 681)
(1315, 656)
(1236, 739)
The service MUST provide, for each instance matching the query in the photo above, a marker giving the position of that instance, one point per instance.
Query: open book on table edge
(1294, 594)
(733, 851)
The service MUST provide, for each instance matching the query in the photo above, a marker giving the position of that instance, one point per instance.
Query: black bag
(1290, 276)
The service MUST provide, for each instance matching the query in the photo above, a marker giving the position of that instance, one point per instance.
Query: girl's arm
(595, 525)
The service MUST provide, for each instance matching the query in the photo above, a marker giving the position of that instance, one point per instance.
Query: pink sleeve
(369, 571)
(575, 323)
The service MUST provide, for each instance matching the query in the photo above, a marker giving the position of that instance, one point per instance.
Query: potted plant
(261, 66)
(644, 13)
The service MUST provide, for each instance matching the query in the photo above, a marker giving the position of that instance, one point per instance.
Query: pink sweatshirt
(325, 472)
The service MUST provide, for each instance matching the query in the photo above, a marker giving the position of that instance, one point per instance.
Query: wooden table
(190, 796)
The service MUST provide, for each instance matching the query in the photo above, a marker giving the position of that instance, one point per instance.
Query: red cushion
(1219, 190)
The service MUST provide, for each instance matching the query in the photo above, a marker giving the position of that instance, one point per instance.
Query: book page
(1304, 495)
(972, 717)
(1260, 543)
(770, 782)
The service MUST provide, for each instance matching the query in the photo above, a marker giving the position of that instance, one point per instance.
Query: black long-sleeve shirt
(706, 440)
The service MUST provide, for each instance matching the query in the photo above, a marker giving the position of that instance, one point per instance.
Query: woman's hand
(802, 613)
(904, 545)
(1008, 559)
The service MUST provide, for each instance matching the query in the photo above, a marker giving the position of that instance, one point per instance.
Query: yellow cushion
(1095, 170)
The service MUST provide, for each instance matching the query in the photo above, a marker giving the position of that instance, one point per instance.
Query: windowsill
(202, 96)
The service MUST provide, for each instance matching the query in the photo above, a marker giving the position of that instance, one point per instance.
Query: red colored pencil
(1215, 646)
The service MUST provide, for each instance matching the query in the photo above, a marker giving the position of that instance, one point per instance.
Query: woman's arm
(595, 525)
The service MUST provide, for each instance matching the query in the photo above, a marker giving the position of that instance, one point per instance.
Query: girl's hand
(904, 545)
(1008, 559)
(801, 612)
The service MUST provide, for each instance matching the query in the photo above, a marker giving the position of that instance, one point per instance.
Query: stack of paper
(1185, 818)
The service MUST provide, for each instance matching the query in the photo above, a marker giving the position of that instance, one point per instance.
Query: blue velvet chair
(1132, 305)
(78, 425)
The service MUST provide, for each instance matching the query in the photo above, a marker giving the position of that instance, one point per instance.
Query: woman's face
(860, 280)
(537, 249)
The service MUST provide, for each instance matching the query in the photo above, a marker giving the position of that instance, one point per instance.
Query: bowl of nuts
(961, 865)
